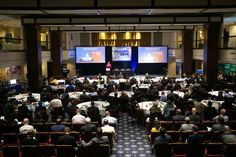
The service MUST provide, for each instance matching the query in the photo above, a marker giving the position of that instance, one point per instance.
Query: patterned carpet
(131, 139)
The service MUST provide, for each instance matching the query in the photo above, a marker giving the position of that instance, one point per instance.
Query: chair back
(163, 150)
(10, 151)
(29, 151)
(65, 151)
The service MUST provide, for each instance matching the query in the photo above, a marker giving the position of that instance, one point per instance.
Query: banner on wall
(121, 53)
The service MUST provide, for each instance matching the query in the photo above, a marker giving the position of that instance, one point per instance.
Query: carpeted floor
(131, 139)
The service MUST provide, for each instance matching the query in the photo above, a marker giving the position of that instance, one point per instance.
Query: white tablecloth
(146, 105)
(23, 97)
(76, 95)
(215, 93)
(100, 104)
(215, 104)
(130, 94)
(181, 94)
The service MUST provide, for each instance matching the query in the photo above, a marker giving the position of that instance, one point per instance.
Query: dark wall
(95, 68)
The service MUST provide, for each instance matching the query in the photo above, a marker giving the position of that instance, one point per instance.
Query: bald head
(26, 121)
(194, 111)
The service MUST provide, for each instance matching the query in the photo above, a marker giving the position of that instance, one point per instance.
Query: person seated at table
(94, 113)
(223, 115)
(178, 116)
(194, 116)
(70, 88)
(169, 108)
(30, 139)
(120, 76)
(30, 98)
(84, 97)
(72, 107)
(45, 95)
(187, 126)
(24, 112)
(209, 112)
(58, 127)
(154, 111)
(111, 120)
(227, 94)
(163, 97)
(86, 81)
(220, 96)
(78, 118)
(55, 103)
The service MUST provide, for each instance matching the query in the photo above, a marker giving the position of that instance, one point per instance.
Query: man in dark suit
(88, 128)
(58, 127)
(66, 139)
(96, 141)
(93, 113)
(178, 116)
(194, 117)
(195, 143)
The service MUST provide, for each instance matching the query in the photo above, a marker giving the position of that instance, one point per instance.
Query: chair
(30, 150)
(179, 149)
(47, 150)
(10, 138)
(41, 127)
(65, 151)
(163, 150)
(10, 151)
(213, 149)
(54, 136)
(10, 128)
(153, 135)
(175, 135)
(168, 125)
(94, 151)
(43, 137)
(77, 127)
(76, 135)
(57, 112)
(230, 150)
(184, 135)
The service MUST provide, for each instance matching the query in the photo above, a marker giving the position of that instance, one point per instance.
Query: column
(56, 53)
(187, 52)
(33, 56)
(211, 50)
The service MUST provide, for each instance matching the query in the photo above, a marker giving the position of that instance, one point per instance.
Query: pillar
(56, 53)
(211, 50)
(187, 52)
(33, 56)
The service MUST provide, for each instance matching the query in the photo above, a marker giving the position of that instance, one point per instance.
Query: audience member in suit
(194, 117)
(58, 127)
(187, 126)
(219, 126)
(178, 116)
(30, 139)
(195, 143)
(93, 113)
(209, 112)
(222, 114)
(66, 139)
(88, 128)
(96, 141)
(162, 139)
(226, 138)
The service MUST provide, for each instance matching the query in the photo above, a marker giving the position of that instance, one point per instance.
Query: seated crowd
(180, 113)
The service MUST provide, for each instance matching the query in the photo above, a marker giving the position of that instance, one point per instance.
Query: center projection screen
(121, 53)
(90, 54)
(152, 54)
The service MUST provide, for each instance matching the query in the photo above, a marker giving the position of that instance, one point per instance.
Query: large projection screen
(121, 54)
(152, 54)
(90, 54)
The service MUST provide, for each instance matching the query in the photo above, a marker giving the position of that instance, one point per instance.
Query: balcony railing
(11, 44)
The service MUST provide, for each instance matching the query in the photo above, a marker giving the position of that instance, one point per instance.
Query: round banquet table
(146, 105)
(180, 94)
(215, 104)
(100, 104)
(215, 93)
(129, 93)
(76, 95)
(23, 97)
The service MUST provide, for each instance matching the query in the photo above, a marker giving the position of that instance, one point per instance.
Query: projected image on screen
(121, 53)
(152, 54)
(90, 54)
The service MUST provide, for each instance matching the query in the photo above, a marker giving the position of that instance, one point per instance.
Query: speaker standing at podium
(108, 68)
